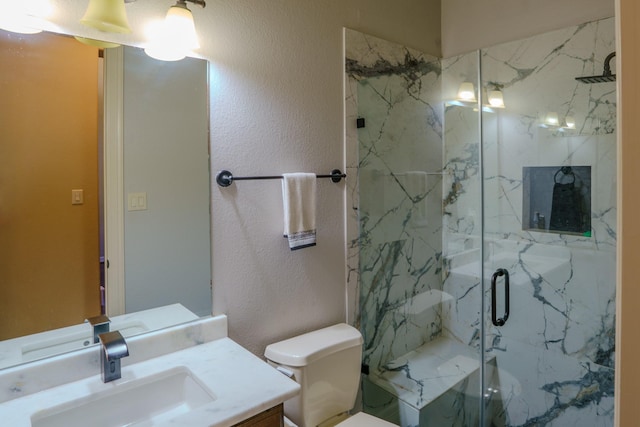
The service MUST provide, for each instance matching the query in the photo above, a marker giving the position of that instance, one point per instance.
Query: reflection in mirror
(44, 344)
(52, 259)
(166, 164)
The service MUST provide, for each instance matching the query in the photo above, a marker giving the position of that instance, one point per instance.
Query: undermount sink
(142, 402)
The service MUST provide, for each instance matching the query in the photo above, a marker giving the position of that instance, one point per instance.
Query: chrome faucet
(100, 325)
(113, 347)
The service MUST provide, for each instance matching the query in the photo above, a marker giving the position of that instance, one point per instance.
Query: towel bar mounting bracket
(224, 178)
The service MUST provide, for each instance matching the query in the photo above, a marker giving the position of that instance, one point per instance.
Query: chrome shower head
(606, 74)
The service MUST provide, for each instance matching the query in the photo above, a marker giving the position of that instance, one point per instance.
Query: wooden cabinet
(269, 418)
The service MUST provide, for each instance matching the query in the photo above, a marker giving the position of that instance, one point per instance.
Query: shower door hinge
(360, 122)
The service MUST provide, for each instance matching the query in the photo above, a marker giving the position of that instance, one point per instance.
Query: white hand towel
(299, 200)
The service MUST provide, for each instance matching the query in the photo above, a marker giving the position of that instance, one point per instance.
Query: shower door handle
(494, 317)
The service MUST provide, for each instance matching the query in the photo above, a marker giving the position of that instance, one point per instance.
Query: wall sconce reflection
(466, 97)
(467, 92)
(570, 122)
(495, 97)
(551, 120)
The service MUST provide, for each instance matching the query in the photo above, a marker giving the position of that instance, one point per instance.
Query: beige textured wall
(277, 106)
(628, 294)
(49, 274)
(469, 25)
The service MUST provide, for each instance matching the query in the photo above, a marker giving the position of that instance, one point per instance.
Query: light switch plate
(137, 202)
(77, 197)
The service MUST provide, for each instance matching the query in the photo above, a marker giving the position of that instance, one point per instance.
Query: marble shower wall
(395, 221)
(555, 354)
(538, 75)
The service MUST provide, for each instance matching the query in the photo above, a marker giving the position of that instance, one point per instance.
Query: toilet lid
(364, 420)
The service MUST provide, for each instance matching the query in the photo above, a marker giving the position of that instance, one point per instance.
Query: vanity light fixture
(107, 15)
(467, 92)
(175, 37)
(25, 17)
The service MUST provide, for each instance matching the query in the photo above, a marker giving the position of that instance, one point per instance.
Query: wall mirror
(84, 131)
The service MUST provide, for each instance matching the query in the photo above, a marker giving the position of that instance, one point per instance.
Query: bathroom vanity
(191, 374)
(270, 418)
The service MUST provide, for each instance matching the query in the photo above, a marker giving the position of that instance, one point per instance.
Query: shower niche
(557, 199)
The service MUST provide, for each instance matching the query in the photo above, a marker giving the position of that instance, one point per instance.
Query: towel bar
(224, 178)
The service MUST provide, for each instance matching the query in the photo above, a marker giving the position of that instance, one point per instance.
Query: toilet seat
(364, 420)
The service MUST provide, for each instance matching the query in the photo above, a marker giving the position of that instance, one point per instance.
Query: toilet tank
(326, 363)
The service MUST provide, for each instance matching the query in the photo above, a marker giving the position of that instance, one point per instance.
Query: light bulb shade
(495, 99)
(467, 92)
(179, 25)
(106, 15)
(175, 37)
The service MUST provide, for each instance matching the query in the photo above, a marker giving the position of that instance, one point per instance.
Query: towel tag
(302, 239)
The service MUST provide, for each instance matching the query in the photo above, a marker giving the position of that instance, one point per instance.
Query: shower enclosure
(482, 230)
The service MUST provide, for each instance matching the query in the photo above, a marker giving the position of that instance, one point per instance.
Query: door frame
(114, 181)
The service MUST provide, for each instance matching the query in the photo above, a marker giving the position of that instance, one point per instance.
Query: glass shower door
(549, 168)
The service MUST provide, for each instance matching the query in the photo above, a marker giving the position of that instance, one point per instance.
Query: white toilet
(326, 364)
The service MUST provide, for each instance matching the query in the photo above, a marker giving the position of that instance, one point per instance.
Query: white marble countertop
(243, 386)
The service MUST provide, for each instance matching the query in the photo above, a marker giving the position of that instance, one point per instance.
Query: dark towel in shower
(567, 209)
